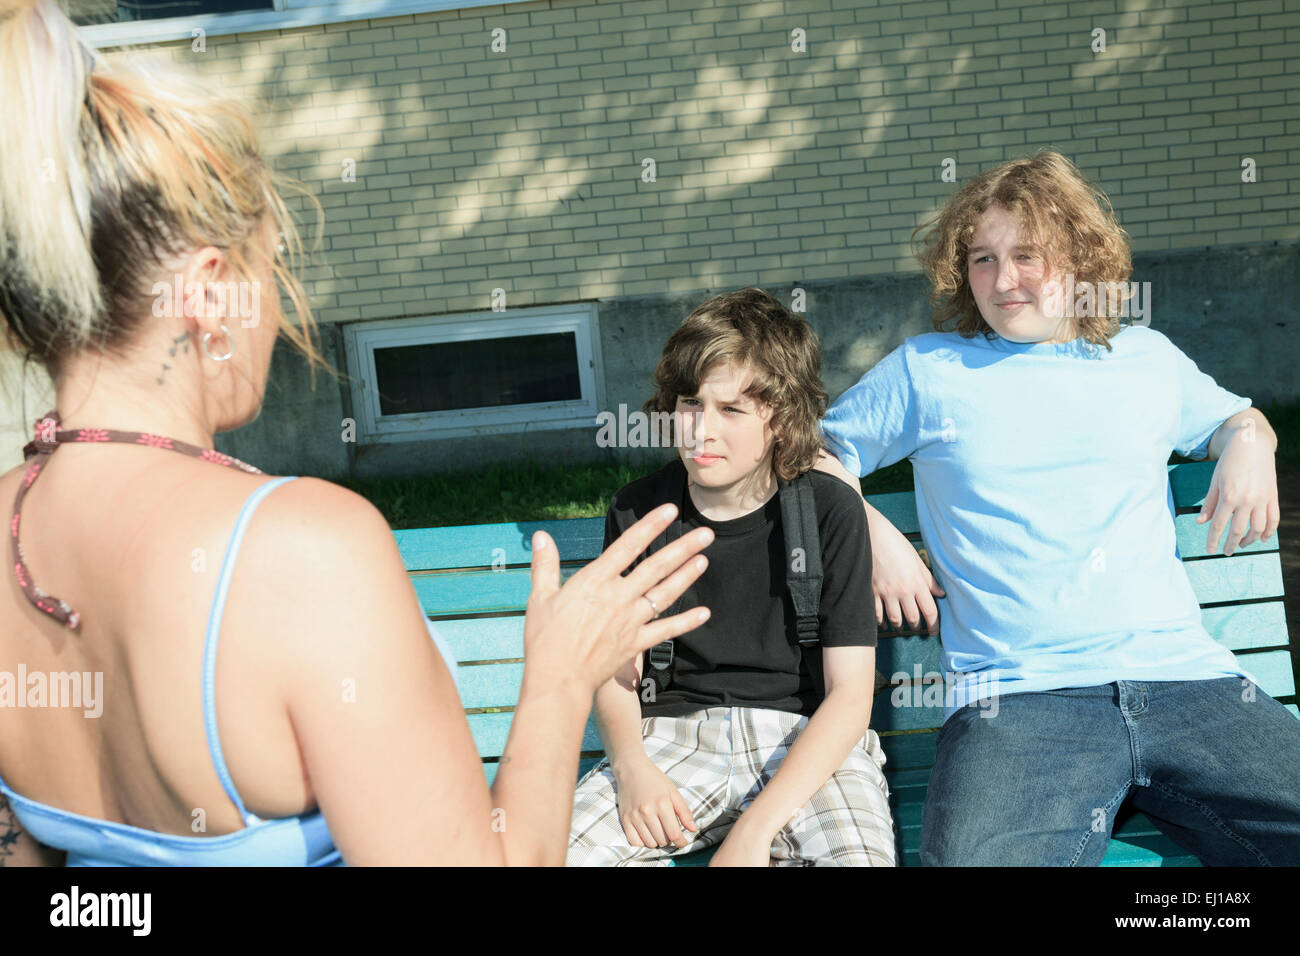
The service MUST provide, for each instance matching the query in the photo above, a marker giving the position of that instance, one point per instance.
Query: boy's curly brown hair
(1058, 210)
(751, 328)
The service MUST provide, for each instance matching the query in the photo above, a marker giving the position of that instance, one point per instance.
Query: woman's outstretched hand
(599, 620)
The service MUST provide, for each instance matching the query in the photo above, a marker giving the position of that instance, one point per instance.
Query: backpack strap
(659, 659)
(803, 571)
(803, 555)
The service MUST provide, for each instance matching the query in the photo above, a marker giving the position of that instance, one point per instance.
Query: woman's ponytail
(109, 168)
(50, 292)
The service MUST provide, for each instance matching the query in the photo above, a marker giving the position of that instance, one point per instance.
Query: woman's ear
(204, 310)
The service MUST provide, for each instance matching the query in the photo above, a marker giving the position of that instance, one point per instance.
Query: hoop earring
(207, 336)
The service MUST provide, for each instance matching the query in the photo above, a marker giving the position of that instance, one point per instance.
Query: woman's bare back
(133, 538)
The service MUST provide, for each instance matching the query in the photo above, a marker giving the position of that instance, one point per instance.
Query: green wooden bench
(473, 583)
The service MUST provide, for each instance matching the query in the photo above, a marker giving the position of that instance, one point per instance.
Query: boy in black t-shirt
(740, 749)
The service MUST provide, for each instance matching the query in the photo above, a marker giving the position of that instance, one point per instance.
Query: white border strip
(299, 13)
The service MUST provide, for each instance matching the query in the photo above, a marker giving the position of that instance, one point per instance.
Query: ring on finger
(653, 605)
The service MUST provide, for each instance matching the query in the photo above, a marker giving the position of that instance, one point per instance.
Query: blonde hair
(1058, 210)
(106, 171)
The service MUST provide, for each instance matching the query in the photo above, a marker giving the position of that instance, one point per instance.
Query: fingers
(1209, 507)
(636, 836)
(880, 613)
(930, 611)
(664, 592)
(683, 811)
(1211, 503)
(1258, 519)
(666, 628)
(892, 613)
(628, 546)
(672, 830)
(1240, 524)
(1274, 519)
(666, 560)
(1263, 522)
(1218, 523)
(650, 822)
(544, 567)
(656, 825)
(935, 589)
(907, 604)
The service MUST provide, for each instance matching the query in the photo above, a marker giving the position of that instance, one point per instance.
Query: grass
(528, 492)
(532, 492)
(523, 492)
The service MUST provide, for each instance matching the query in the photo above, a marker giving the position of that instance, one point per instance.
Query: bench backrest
(473, 583)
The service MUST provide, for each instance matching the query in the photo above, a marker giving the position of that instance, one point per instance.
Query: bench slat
(1272, 671)
(483, 638)
(491, 730)
(1246, 575)
(475, 592)
(1236, 578)
(1189, 482)
(1236, 627)
(490, 685)
(1190, 539)
(909, 656)
(1240, 626)
(906, 706)
(488, 545)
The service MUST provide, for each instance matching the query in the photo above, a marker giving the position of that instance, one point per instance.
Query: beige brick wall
(522, 169)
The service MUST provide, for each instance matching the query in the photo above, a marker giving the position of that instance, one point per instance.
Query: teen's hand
(650, 807)
(903, 585)
(743, 847)
(586, 630)
(1243, 493)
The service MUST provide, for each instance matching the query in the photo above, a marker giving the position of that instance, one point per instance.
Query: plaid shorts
(720, 758)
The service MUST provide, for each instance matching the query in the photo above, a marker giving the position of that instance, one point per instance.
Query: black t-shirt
(747, 653)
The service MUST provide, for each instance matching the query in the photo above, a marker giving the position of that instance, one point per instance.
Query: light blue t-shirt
(1043, 496)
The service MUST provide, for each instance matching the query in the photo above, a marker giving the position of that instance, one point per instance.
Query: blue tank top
(302, 840)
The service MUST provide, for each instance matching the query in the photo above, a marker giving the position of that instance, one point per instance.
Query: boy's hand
(1243, 494)
(903, 585)
(650, 807)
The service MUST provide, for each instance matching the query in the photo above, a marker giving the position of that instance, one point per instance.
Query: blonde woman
(224, 736)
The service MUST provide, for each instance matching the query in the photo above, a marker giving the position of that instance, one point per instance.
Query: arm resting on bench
(1243, 494)
(903, 585)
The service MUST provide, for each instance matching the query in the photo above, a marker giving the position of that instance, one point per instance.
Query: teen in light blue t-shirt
(1062, 574)
(1039, 430)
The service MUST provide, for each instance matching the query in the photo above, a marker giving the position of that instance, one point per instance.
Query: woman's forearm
(532, 796)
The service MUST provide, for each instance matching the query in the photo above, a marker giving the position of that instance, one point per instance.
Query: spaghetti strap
(210, 645)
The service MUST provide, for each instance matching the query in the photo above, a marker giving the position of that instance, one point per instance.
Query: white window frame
(362, 338)
(287, 15)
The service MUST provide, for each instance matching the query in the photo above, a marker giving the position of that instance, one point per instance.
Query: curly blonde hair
(1058, 210)
(750, 328)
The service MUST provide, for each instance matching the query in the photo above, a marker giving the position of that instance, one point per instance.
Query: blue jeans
(1214, 764)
